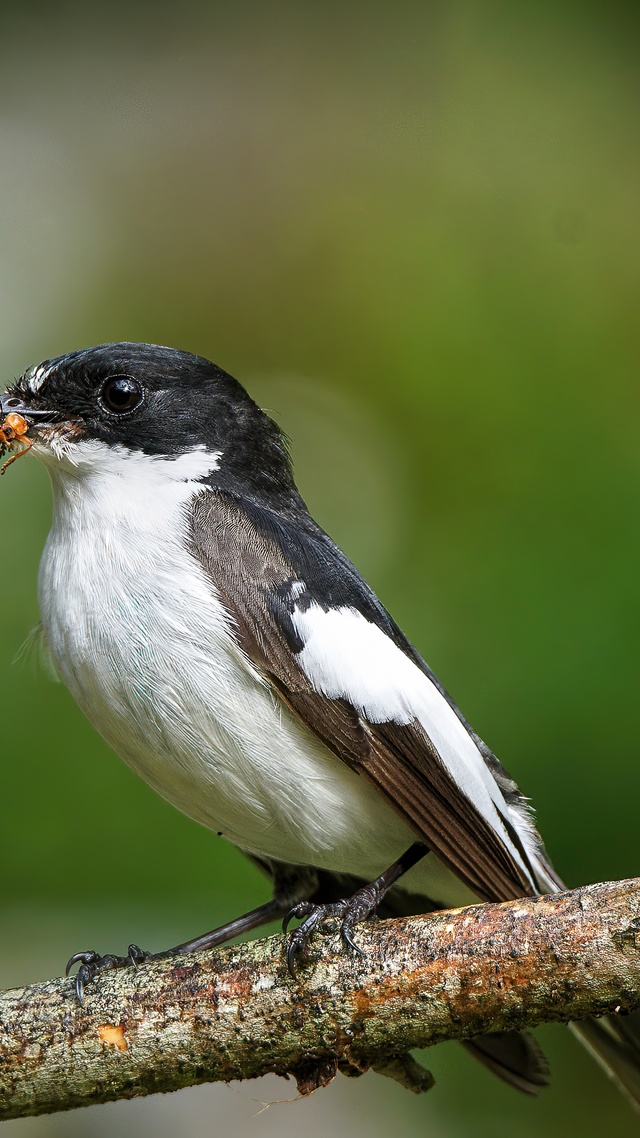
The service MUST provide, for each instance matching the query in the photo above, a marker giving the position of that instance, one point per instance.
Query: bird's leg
(352, 910)
(290, 885)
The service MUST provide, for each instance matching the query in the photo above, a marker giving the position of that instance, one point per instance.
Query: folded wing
(319, 635)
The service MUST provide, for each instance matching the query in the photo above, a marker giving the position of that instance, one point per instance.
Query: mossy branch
(236, 1013)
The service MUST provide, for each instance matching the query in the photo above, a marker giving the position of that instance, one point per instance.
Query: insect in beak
(14, 430)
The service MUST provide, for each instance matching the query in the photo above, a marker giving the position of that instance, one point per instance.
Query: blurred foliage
(412, 231)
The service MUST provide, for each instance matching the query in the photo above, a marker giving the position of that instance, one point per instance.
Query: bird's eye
(121, 394)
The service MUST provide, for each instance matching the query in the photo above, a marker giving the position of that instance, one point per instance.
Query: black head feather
(187, 402)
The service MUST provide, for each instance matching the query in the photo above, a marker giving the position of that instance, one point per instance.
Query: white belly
(138, 635)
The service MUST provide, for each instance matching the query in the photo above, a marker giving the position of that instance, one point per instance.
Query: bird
(231, 654)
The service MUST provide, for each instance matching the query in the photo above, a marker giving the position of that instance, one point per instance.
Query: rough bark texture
(235, 1013)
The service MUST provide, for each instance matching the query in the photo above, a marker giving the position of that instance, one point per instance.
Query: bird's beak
(13, 405)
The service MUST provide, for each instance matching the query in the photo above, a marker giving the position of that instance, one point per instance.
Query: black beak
(12, 404)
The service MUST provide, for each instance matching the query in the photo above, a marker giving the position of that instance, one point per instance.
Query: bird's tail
(615, 1045)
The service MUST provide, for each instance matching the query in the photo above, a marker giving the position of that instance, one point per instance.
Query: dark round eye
(121, 394)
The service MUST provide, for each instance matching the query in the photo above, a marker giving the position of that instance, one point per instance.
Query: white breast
(140, 638)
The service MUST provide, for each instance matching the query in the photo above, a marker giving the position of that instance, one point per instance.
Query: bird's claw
(351, 910)
(91, 964)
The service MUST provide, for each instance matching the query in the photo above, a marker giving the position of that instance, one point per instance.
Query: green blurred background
(412, 231)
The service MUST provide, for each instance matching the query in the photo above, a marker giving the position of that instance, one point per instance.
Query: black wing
(267, 570)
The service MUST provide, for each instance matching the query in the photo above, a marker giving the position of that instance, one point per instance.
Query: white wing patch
(345, 656)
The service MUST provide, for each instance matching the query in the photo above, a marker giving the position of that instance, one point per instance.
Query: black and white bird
(231, 654)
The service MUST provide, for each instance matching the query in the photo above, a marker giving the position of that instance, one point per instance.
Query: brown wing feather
(249, 571)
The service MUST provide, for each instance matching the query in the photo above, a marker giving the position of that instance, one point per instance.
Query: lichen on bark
(236, 1013)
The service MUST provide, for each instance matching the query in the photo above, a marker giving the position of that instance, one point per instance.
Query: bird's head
(122, 408)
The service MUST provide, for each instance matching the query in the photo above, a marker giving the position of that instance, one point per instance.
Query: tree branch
(235, 1013)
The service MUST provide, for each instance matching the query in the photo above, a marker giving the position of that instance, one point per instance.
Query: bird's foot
(352, 910)
(91, 964)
